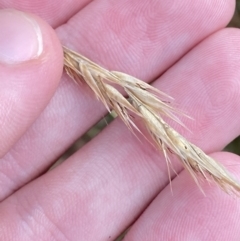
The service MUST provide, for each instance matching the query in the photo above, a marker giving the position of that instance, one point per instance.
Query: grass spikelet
(150, 105)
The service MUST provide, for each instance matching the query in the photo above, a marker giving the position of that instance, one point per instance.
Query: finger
(205, 85)
(54, 12)
(115, 170)
(186, 214)
(155, 37)
(74, 110)
(30, 69)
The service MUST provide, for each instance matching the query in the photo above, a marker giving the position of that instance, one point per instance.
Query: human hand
(104, 187)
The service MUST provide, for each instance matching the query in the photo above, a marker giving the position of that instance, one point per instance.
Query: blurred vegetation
(234, 146)
(235, 22)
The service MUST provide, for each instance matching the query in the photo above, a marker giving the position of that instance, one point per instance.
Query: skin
(116, 181)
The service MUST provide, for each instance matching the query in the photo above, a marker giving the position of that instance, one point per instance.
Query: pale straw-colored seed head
(145, 102)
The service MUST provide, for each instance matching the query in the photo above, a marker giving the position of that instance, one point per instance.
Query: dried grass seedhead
(147, 102)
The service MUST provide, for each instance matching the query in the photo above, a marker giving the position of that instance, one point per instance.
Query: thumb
(31, 63)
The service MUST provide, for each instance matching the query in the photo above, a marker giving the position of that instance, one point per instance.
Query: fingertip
(31, 64)
(25, 37)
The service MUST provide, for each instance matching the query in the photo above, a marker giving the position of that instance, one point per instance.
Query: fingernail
(20, 37)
